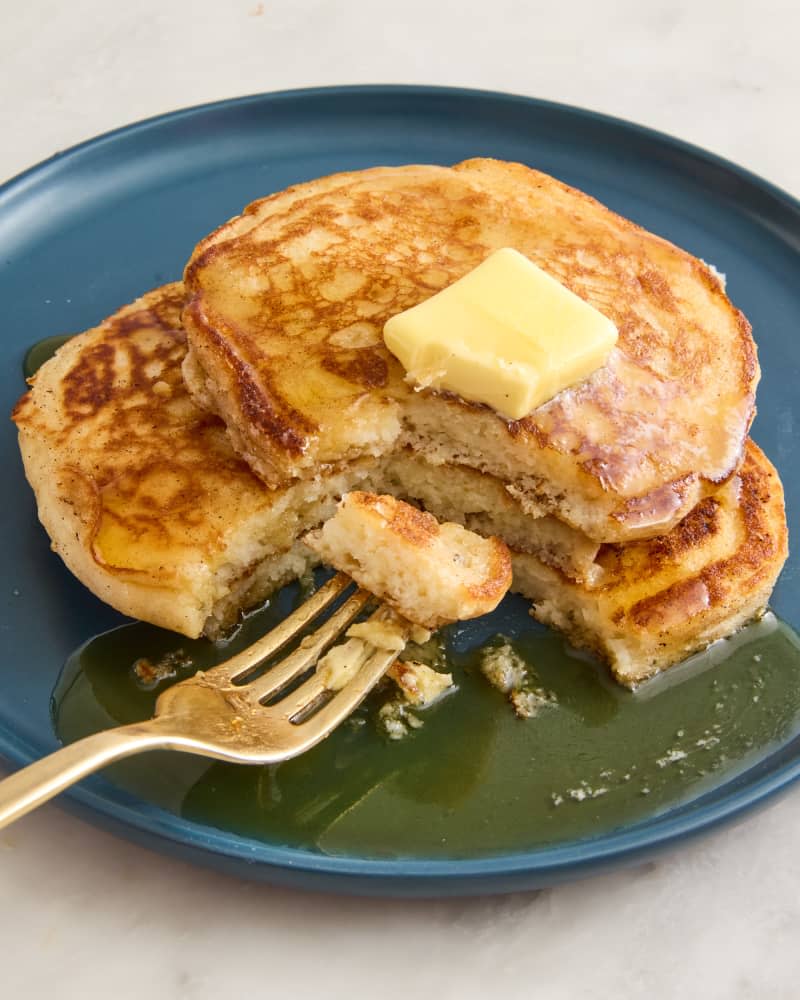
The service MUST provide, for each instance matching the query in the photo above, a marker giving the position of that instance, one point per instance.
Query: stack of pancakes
(180, 450)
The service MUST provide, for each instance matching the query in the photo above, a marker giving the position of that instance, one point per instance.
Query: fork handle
(40, 781)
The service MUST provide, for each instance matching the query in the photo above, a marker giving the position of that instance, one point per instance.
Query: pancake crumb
(505, 670)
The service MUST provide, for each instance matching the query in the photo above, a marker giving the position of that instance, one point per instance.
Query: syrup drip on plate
(40, 352)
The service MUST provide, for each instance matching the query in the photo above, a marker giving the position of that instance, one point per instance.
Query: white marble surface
(86, 915)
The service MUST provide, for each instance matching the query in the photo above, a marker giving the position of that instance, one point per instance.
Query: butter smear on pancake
(506, 334)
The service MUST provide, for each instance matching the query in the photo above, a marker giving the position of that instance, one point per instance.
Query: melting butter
(506, 334)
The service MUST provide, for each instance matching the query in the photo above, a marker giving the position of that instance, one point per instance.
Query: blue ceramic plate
(94, 227)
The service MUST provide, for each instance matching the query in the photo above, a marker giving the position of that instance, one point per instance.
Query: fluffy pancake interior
(483, 503)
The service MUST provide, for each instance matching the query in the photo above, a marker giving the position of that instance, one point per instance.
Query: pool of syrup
(474, 778)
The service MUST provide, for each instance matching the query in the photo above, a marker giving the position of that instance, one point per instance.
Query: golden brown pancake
(149, 506)
(140, 491)
(664, 598)
(287, 303)
(635, 533)
(430, 573)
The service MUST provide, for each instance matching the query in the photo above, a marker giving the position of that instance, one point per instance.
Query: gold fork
(219, 713)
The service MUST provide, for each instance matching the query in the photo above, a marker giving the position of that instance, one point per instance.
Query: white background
(83, 915)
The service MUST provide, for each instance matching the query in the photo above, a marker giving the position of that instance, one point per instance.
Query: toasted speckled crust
(140, 491)
(286, 305)
(430, 573)
(664, 598)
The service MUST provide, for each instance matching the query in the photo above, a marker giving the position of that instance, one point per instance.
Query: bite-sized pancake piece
(484, 504)
(665, 598)
(141, 492)
(430, 573)
(287, 302)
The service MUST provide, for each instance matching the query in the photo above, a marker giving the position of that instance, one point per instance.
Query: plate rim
(421, 90)
(539, 866)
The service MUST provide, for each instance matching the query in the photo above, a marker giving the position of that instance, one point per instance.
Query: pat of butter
(506, 334)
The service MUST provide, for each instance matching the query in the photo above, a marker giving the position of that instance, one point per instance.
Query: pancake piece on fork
(430, 573)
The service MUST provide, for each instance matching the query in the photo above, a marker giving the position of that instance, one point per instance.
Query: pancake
(140, 491)
(664, 598)
(430, 573)
(286, 305)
